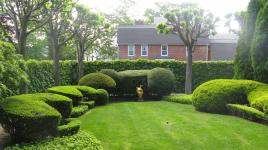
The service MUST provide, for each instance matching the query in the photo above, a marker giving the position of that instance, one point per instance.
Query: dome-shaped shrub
(27, 119)
(68, 91)
(98, 81)
(102, 97)
(88, 92)
(161, 81)
(213, 96)
(111, 73)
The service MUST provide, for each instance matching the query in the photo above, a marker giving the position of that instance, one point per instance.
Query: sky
(218, 7)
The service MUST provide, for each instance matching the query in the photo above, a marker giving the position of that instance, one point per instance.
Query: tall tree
(259, 48)
(242, 63)
(22, 13)
(59, 31)
(90, 29)
(190, 23)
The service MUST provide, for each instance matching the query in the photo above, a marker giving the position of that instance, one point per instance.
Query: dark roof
(147, 34)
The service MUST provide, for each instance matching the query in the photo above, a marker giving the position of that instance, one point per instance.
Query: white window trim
(129, 50)
(147, 48)
(162, 50)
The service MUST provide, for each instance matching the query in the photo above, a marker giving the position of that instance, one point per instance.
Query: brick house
(143, 41)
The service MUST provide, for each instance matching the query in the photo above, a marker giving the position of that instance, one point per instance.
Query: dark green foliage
(88, 92)
(161, 81)
(68, 91)
(98, 80)
(246, 112)
(70, 127)
(179, 98)
(213, 96)
(4, 91)
(79, 111)
(111, 73)
(41, 74)
(27, 119)
(61, 103)
(79, 141)
(12, 67)
(89, 104)
(102, 97)
(242, 64)
(259, 47)
(130, 79)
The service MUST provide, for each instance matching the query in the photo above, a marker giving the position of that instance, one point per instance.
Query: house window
(131, 50)
(164, 50)
(144, 50)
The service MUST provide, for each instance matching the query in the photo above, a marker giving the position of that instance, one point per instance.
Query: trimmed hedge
(79, 141)
(246, 112)
(161, 81)
(102, 97)
(68, 91)
(213, 96)
(79, 111)
(88, 92)
(61, 103)
(28, 119)
(89, 104)
(179, 98)
(98, 81)
(258, 98)
(71, 127)
(41, 73)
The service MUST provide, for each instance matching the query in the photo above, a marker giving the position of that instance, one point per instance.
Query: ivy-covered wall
(41, 72)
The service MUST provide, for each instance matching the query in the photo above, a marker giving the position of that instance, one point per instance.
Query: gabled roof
(147, 34)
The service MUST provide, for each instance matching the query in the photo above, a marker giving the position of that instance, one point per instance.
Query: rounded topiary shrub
(68, 91)
(161, 81)
(27, 119)
(98, 81)
(111, 73)
(62, 103)
(102, 97)
(214, 95)
(88, 92)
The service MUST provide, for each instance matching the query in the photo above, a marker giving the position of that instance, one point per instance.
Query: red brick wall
(177, 52)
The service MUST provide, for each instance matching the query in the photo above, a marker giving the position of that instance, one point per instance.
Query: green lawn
(169, 126)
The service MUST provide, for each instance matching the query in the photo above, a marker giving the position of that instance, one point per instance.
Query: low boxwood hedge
(246, 112)
(179, 98)
(89, 104)
(70, 127)
(79, 141)
(79, 111)
(28, 119)
(102, 97)
(258, 98)
(62, 103)
(88, 92)
(98, 81)
(68, 91)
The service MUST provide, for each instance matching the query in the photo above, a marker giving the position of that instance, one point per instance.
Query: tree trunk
(80, 53)
(188, 77)
(22, 50)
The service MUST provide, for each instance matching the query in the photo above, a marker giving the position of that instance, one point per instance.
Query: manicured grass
(164, 125)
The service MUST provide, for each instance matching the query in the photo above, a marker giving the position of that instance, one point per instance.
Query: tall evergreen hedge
(260, 46)
(41, 74)
(242, 64)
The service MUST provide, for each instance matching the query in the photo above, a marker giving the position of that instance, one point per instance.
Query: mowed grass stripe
(164, 125)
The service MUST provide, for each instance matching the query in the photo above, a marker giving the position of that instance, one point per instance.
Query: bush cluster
(28, 119)
(79, 111)
(41, 73)
(81, 140)
(179, 98)
(102, 97)
(89, 104)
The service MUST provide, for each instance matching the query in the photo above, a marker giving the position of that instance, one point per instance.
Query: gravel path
(4, 138)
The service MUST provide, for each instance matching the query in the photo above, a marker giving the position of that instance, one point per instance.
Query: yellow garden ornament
(139, 91)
